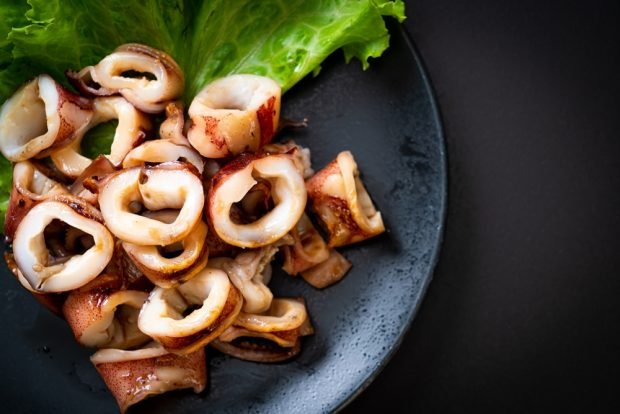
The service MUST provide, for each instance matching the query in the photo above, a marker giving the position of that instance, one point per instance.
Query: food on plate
(189, 316)
(160, 236)
(110, 77)
(233, 182)
(235, 114)
(131, 129)
(41, 116)
(67, 264)
(250, 272)
(155, 242)
(342, 203)
(308, 248)
(124, 194)
(328, 272)
(270, 336)
(133, 375)
(167, 266)
(102, 314)
(160, 151)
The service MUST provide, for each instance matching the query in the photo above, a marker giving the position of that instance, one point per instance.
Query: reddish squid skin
(265, 116)
(128, 381)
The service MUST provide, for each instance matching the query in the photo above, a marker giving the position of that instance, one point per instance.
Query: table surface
(523, 312)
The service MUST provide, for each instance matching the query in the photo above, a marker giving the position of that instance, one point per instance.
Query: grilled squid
(300, 155)
(104, 316)
(30, 186)
(187, 317)
(113, 74)
(173, 127)
(235, 114)
(46, 273)
(132, 376)
(40, 117)
(166, 186)
(132, 125)
(160, 150)
(281, 325)
(250, 272)
(327, 272)
(340, 199)
(169, 265)
(308, 249)
(98, 168)
(233, 182)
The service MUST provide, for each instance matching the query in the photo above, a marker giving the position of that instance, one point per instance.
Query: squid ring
(101, 315)
(236, 179)
(30, 186)
(161, 150)
(342, 202)
(40, 116)
(166, 186)
(308, 249)
(282, 324)
(282, 315)
(167, 272)
(31, 254)
(147, 95)
(131, 128)
(250, 272)
(234, 114)
(218, 304)
(32, 183)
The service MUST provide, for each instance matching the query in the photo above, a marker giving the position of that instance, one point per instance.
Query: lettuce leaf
(282, 39)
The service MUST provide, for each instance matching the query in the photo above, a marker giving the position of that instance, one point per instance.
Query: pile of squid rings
(165, 245)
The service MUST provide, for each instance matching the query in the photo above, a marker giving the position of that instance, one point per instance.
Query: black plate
(387, 117)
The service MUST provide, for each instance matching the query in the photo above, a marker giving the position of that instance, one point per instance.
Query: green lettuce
(281, 39)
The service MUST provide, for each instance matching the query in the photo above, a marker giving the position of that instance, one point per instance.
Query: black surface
(523, 314)
(387, 117)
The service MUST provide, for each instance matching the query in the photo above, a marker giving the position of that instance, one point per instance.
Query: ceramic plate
(388, 118)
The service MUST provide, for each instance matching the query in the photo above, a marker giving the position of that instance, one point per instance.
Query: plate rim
(443, 203)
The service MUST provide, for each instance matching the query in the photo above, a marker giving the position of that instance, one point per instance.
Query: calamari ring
(283, 315)
(167, 186)
(236, 179)
(342, 202)
(101, 314)
(132, 125)
(160, 150)
(40, 117)
(147, 95)
(162, 316)
(31, 254)
(169, 271)
(30, 186)
(250, 272)
(282, 325)
(32, 183)
(234, 114)
(308, 249)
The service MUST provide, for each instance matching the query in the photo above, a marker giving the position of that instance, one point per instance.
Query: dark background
(523, 314)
